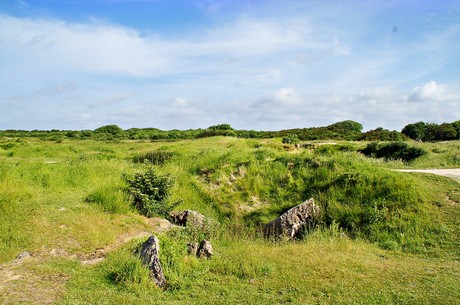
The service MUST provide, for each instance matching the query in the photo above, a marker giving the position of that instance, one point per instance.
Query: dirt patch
(451, 173)
(254, 204)
(20, 285)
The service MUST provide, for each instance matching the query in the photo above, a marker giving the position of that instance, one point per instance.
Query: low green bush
(291, 139)
(393, 151)
(150, 193)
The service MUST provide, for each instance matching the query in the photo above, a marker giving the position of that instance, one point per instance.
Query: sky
(255, 64)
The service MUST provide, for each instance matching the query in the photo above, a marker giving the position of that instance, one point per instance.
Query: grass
(385, 237)
(440, 155)
(315, 271)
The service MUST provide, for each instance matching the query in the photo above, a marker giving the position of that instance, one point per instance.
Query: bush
(221, 127)
(291, 139)
(112, 131)
(445, 132)
(157, 157)
(393, 151)
(150, 193)
(380, 134)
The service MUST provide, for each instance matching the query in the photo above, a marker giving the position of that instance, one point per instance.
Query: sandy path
(452, 172)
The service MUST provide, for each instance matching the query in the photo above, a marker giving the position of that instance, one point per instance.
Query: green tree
(380, 134)
(445, 132)
(113, 130)
(221, 127)
(430, 132)
(415, 131)
(456, 125)
(348, 125)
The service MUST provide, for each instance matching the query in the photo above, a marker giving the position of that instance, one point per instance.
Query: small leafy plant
(150, 193)
(290, 139)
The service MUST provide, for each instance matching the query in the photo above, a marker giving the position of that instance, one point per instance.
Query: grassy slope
(43, 208)
(441, 155)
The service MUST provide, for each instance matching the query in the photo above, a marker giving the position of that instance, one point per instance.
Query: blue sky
(264, 65)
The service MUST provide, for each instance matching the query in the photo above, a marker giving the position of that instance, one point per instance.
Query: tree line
(345, 130)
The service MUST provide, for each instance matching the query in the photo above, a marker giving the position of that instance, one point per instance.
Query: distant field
(384, 237)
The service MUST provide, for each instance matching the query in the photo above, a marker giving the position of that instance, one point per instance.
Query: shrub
(415, 131)
(393, 151)
(157, 157)
(291, 139)
(221, 127)
(445, 132)
(150, 193)
(380, 134)
(109, 132)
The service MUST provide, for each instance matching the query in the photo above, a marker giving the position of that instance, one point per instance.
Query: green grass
(384, 237)
(440, 155)
(315, 271)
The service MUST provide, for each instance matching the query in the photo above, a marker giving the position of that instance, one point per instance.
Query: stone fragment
(192, 248)
(188, 217)
(161, 225)
(22, 257)
(205, 249)
(150, 257)
(292, 222)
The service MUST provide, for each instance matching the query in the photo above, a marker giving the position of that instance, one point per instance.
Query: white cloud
(180, 102)
(279, 100)
(56, 46)
(53, 46)
(432, 91)
(379, 107)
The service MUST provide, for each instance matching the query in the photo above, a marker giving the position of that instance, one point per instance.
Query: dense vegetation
(383, 237)
(422, 131)
(393, 151)
(150, 192)
(346, 130)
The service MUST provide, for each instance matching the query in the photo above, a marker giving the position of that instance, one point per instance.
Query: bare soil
(451, 173)
(20, 283)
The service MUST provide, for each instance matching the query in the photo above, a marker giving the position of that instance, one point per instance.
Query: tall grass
(62, 202)
(325, 268)
(244, 182)
(367, 200)
(440, 155)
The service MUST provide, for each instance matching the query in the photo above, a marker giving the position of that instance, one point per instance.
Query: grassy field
(384, 237)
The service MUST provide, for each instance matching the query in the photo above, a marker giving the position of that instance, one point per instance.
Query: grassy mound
(255, 183)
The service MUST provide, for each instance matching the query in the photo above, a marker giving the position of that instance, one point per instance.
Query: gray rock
(192, 248)
(161, 225)
(188, 217)
(150, 257)
(22, 257)
(205, 249)
(292, 222)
